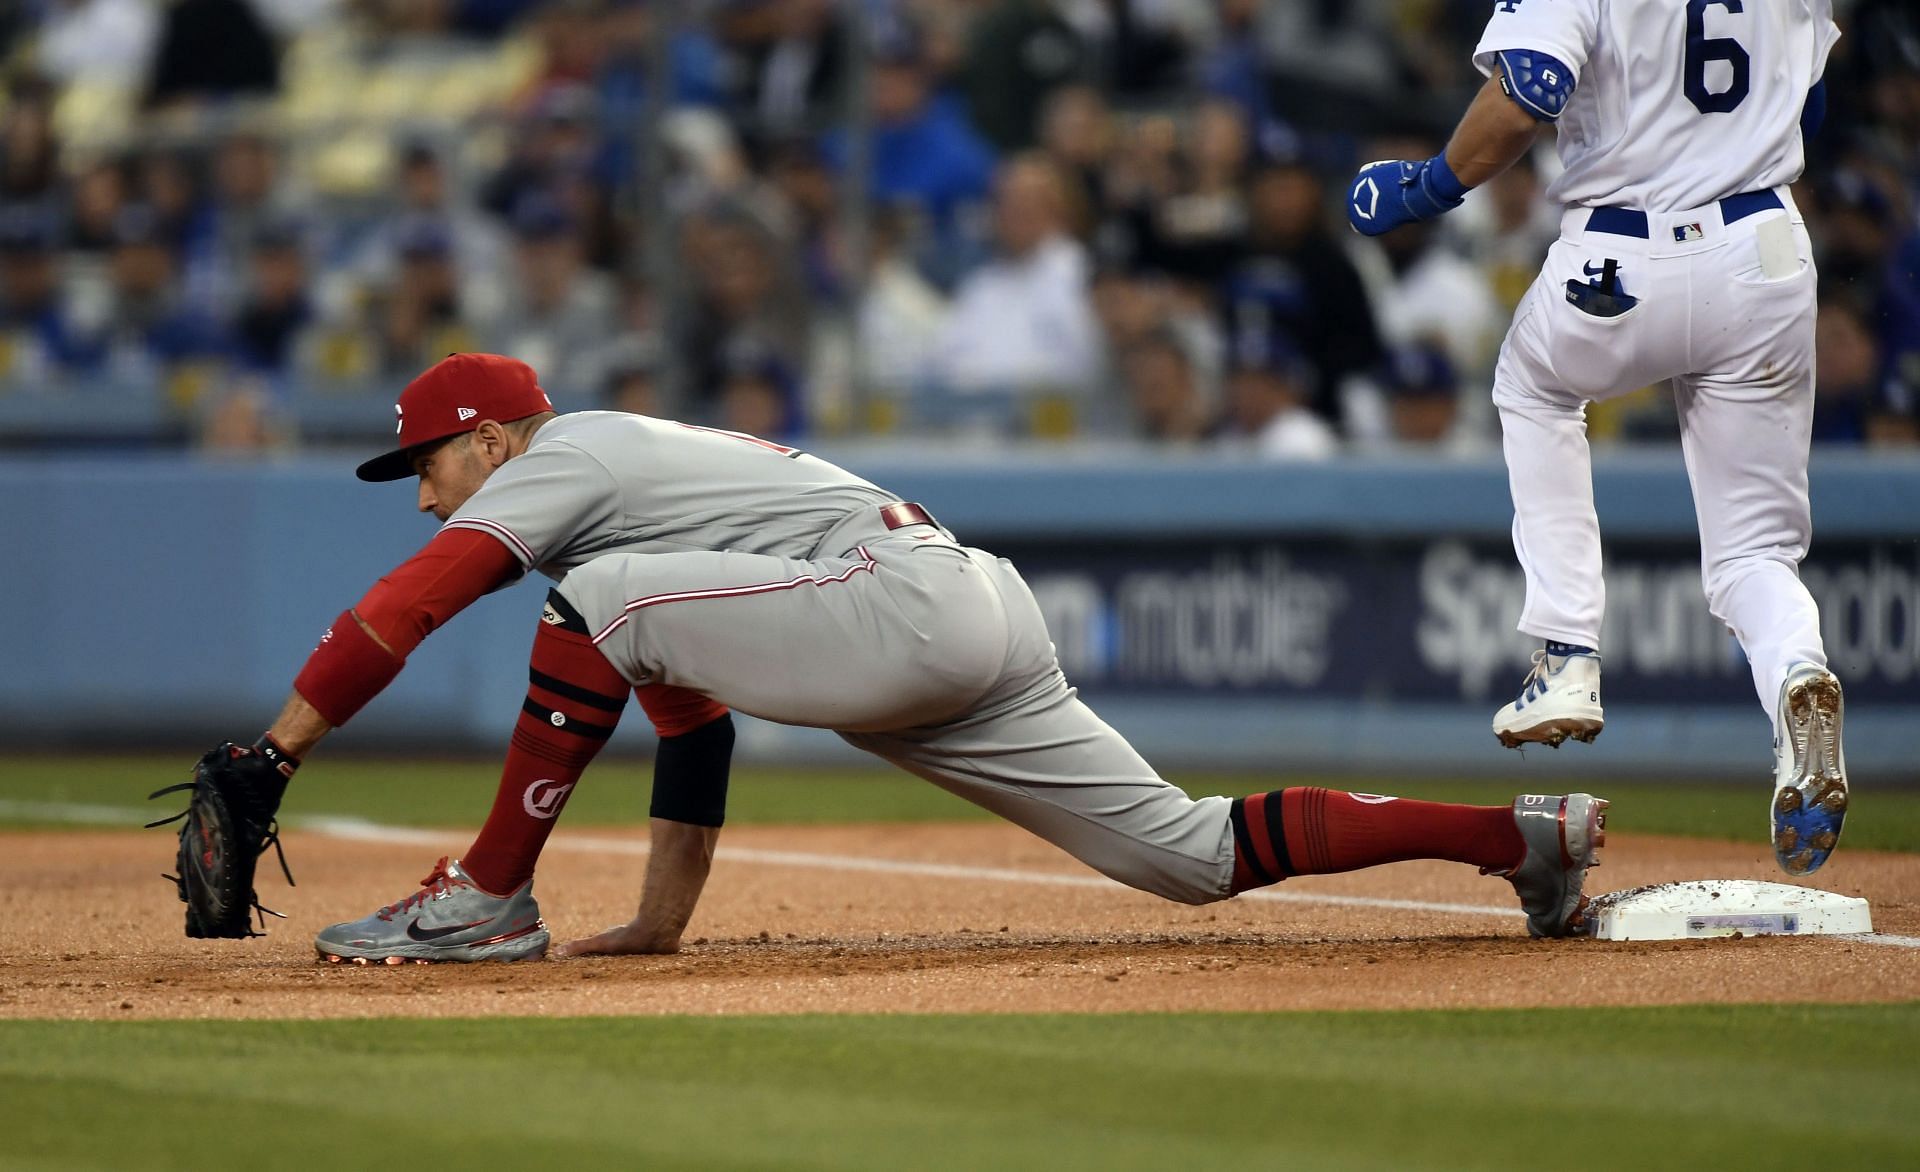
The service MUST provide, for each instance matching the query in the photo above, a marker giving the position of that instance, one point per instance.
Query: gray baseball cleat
(1563, 836)
(1809, 773)
(448, 919)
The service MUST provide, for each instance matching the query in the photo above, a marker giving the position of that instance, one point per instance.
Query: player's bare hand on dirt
(624, 940)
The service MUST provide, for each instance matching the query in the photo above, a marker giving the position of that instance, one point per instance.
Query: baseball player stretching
(709, 571)
(1681, 259)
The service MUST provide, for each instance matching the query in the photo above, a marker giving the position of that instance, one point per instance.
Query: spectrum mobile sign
(1433, 621)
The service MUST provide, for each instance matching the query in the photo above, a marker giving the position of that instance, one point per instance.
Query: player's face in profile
(449, 473)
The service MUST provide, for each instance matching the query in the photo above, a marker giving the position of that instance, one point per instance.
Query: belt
(870, 524)
(1633, 222)
(904, 514)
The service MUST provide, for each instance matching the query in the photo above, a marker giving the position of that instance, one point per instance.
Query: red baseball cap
(452, 398)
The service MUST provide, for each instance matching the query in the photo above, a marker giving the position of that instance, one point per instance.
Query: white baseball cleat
(1809, 770)
(1560, 698)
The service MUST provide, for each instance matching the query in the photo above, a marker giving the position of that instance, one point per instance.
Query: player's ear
(490, 441)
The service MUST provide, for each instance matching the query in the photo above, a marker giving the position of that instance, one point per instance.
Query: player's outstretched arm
(366, 646)
(1496, 130)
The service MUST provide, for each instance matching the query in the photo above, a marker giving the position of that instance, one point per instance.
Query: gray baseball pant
(929, 654)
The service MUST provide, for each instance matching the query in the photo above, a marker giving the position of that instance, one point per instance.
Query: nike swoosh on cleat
(415, 931)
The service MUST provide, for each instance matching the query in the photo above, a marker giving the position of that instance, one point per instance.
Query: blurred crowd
(1078, 218)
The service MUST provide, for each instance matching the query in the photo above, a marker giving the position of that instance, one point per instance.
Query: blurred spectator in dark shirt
(1423, 394)
(1164, 394)
(29, 150)
(427, 196)
(1294, 279)
(633, 383)
(1846, 372)
(277, 309)
(1138, 48)
(212, 49)
(556, 310)
(36, 342)
(758, 394)
(99, 192)
(924, 149)
(248, 196)
(1194, 233)
(1017, 52)
(166, 182)
(423, 321)
(1232, 69)
(1895, 418)
(1077, 133)
(554, 142)
(149, 327)
(810, 198)
(747, 298)
(789, 62)
(1267, 402)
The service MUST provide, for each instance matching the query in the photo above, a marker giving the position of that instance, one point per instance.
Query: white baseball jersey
(1679, 102)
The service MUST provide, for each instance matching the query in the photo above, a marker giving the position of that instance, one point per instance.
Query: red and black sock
(573, 702)
(1306, 830)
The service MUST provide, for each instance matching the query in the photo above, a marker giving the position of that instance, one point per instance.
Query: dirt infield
(88, 930)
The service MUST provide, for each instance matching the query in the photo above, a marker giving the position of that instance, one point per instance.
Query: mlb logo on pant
(1687, 232)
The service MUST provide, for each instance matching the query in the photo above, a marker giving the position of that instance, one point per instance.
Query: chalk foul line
(362, 830)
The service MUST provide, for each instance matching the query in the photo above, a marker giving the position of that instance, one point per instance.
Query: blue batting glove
(1388, 194)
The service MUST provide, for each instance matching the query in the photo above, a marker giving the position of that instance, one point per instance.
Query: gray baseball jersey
(770, 580)
(597, 482)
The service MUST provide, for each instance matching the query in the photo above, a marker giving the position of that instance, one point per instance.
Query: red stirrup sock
(1306, 830)
(573, 703)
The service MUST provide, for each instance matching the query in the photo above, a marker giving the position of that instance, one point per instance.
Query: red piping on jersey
(497, 529)
(866, 564)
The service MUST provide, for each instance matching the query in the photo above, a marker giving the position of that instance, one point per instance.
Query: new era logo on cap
(466, 413)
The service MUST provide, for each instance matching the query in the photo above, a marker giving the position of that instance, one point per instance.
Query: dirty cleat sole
(1810, 795)
(1552, 733)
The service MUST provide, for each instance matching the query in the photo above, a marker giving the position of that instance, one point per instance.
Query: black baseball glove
(229, 823)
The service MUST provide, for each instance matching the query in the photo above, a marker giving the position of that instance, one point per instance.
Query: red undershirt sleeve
(450, 573)
(366, 646)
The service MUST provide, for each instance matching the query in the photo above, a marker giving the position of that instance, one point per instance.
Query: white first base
(1707, 908)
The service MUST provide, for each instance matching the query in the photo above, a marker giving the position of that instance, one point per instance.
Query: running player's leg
(1556, 535)
(1626, 330)
(1745, 425)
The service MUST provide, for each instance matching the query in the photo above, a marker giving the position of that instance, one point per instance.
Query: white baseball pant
(1726, 313)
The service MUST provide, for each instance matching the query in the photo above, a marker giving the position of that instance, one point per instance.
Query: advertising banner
(1433, 621)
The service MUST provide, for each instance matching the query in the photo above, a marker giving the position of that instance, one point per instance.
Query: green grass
(1681, 1087)
(457, 793)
